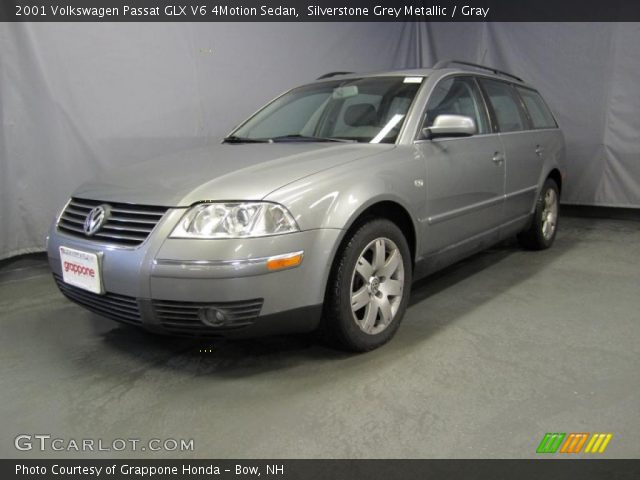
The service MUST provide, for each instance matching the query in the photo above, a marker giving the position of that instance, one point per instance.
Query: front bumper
(165, 284)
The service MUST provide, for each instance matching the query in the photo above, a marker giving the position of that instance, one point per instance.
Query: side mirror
(450, 126)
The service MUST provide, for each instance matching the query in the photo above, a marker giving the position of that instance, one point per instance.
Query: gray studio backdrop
(79, 99)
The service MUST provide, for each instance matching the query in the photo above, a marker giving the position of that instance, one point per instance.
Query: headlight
(235, 220)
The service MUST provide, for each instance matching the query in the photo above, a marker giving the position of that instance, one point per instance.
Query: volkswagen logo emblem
(96, 219)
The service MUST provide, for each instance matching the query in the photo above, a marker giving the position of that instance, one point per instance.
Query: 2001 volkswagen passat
(319, 210)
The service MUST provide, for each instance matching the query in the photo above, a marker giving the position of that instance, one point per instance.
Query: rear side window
(540, 114)
(504, 101)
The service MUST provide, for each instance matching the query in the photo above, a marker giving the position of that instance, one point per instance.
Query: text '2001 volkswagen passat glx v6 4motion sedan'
(320, 210)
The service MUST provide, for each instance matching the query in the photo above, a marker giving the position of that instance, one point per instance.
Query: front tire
(369, 287)
(542, 231)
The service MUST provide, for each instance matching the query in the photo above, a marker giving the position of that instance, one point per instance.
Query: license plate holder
(81, 269)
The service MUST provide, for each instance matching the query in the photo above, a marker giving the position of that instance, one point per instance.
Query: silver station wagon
(319, 211)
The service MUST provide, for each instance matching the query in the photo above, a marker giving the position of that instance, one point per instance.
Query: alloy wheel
(549, 213)
(377, 285)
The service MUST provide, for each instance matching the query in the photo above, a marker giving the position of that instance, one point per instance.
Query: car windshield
(370, 110)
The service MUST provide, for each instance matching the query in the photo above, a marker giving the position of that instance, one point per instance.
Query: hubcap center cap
(374, 285)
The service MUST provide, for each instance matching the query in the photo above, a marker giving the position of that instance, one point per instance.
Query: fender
(333, 200)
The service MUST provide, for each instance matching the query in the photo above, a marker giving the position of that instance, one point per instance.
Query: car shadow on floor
(250, 357)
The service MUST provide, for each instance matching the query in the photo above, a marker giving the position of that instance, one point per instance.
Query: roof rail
(332, 74)
(444, 63)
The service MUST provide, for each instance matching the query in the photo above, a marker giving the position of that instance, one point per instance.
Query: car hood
(221, 172)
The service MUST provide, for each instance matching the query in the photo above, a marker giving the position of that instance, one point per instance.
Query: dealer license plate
(81, 269)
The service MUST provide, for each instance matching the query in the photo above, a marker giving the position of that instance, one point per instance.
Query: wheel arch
(556, 176)
(395, 213)
(382, 207)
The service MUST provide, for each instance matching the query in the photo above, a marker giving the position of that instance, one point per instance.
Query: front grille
(127, 225)
(184, 317)
(120, 308)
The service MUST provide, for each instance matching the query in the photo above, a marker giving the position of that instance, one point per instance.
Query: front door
(464, 175)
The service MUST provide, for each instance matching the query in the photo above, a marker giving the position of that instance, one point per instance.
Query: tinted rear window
(504, 101)
(541, 116)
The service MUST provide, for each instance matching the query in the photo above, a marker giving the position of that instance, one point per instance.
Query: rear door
(464, 175)
(522, 145)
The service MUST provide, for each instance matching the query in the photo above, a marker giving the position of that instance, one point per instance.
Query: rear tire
(544, 225)
(369, 287)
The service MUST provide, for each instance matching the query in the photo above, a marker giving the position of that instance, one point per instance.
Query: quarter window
(540, 114)
(505, 105)
(457, 96)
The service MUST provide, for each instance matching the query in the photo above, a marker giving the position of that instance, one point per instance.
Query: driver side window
(457, 96)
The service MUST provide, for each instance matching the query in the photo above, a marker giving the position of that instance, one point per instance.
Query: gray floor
(493, 353)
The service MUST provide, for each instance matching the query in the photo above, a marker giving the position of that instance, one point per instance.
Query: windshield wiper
(307, 138)
(286, 138)
(234, 139)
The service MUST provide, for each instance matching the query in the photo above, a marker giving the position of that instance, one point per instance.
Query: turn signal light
(288, 260)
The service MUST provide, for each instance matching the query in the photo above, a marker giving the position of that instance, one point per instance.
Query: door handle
(498, 158)
(539, 150)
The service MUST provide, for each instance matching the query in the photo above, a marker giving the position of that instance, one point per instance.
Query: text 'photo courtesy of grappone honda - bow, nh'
(319, 211)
